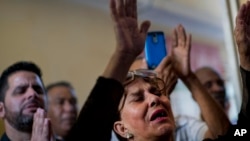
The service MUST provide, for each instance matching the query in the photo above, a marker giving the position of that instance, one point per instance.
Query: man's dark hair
(59, 83)
(18, 66)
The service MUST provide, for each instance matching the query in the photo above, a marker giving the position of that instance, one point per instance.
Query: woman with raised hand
(134, 104)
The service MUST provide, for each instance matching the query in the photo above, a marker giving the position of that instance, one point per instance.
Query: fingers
(242, 22)
(164, 69)
(131, 8)
(240, 14)
(114, 13)
(170, 79)
(247, 14)
(181, 33)
(180, 38)
(121, 8)
(38, 120)
(243, 15)
(41, 129)
(172, 83)
(117, 9)
(134, 7)
(189, 40)
(144, 27)
(128, 8)
(166, 72)
(46, 131)
(174, 38)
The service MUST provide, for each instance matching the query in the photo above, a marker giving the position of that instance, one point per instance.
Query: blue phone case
(155, 48)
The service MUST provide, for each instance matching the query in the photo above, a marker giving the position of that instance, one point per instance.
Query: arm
(96, 118)
(244, 115)
(130, 39)
(95, 121)
(242, 37)
(213, 115)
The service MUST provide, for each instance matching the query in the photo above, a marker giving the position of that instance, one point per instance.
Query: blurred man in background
(62, 108)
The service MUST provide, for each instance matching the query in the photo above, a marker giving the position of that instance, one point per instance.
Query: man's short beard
(19, 121)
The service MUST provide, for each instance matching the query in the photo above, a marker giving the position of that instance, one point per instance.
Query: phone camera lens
(155, 40)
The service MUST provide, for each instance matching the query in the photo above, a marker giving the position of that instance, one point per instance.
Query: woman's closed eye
(155, 91)
(136, 97)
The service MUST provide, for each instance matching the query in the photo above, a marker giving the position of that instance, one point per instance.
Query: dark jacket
(97, 116)
(4, 138)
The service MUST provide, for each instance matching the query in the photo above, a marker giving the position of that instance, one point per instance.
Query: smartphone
(155, 48)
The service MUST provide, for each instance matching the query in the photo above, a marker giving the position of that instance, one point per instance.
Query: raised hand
(242, 35)
(130, 38)
(166, 73)
(181, 45)
(41, 130)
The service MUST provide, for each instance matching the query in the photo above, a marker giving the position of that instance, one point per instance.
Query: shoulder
(184, 120)
(190, 128)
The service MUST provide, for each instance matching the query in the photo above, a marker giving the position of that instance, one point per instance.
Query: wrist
(194, 85)
(118, 66)
(190, 80)
(189, 77)
(129, 49)
(124, 57)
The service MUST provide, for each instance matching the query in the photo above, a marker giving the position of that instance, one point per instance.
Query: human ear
(2, 110)
(120, 129)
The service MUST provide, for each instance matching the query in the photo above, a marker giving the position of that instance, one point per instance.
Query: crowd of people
(128, 100)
